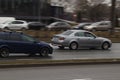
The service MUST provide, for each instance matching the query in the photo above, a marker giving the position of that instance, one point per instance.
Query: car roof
(59, 22)
(79, 30)
(8, 32)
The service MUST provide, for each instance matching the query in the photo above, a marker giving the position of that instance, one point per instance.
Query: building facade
(26, 9)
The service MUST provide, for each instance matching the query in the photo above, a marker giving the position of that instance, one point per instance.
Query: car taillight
(61, 38)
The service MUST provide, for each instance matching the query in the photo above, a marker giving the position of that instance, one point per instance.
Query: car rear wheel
(44, 51)
(4, 52)
(6, 28)
(105, 46)
(73, 46)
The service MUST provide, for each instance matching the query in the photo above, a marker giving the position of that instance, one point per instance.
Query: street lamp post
(113, 15)
(39, 13)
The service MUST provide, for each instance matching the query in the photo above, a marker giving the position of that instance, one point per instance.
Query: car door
(81, 39)
(30, 44)
(18, 45)
(16, 24)
(14, 43)
(91, 40)
(104, 26)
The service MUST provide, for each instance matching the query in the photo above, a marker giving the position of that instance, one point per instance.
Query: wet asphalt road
(73, 72)
(58, 54)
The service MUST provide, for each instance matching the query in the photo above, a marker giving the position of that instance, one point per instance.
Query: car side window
(79, 34)
(17, 22)
(89, 35)
(61, 24)
(15, 37)
(28, 38)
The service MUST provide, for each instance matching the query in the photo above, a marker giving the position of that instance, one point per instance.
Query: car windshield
(67, 32)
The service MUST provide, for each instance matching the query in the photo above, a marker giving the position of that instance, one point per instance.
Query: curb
(37, 63)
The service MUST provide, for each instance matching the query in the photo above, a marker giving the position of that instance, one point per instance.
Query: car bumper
(59, 44)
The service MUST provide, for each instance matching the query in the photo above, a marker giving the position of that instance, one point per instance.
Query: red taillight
(61, 38)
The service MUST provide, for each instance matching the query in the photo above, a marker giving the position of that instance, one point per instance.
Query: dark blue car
(14, 42)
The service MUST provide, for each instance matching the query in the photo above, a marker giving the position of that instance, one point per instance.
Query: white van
(6, 19)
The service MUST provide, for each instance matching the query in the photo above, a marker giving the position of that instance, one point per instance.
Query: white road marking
(83, 79)
(25, 59)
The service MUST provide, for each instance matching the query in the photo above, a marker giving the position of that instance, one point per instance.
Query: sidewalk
(37, 63)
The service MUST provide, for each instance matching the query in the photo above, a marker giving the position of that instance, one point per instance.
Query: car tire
(6, 28)
(73, 46)
(44, 52)
(105, 46)
(4, 52)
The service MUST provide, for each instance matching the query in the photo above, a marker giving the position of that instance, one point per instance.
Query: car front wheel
(44, 51)
(105, 46)
(4, 52)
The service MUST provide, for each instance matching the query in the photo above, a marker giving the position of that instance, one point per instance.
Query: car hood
(42, 42)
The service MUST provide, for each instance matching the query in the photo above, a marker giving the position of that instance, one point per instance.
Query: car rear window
(67, 32)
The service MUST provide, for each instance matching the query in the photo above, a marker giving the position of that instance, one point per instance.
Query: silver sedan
(75, 39)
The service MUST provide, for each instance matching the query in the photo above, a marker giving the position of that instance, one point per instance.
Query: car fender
(4, 46)
(103, 40)
(50, 49)
(110, 43)
(2, 26)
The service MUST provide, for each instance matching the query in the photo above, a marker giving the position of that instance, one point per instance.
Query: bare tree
(96, 2)
(93, 10)
(113, 15)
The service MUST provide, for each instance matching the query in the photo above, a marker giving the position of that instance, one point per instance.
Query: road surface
(66, 54)
(76, 72)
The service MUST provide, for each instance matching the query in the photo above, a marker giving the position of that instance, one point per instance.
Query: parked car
(14, 42)
(75, 39)
(15, 24)
(36, 25)
(81, 25)
(59, 25)
(102, 25)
